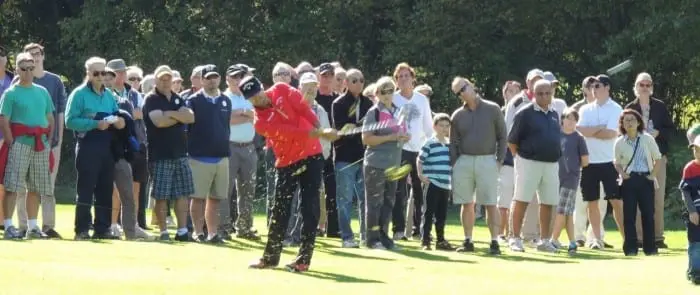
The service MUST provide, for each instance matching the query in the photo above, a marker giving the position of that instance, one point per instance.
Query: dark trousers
(143, 203)
(307, 175)
(95, 165)
(638, 192)
(380, 193)
(693, 248)
(399, 214)
(332, 229)
(436, 200)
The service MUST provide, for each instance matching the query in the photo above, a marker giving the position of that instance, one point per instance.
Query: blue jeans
(349, 182)
(693, 249)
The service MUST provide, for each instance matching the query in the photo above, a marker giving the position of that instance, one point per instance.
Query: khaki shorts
(474, 179)
(536, 177)
(210, 179)
(506, 186)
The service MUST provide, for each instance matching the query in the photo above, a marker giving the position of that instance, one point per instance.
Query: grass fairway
(120, 267)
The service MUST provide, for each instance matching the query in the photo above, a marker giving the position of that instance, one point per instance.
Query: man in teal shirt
(90, 113)
(26, 117)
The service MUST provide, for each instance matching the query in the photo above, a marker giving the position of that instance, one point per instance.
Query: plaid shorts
(28, 170)
(171, 179)
(567, 199)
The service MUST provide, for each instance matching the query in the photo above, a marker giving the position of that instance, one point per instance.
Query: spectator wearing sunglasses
(349, 111)
(88, 113)
(658, 123)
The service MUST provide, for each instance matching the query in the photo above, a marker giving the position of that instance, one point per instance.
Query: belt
(241, 144)
(639, 173)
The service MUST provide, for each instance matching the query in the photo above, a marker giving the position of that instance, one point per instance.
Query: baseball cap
(326, 67)
(197, 71)
(177, 76)
(117, 65)
(110, 70)
(239, 69)
(549, 76)
(692, 134)
(162, 70)
(209, 70)
(604, 79)
(308, 78)
(250, 86)
(534, 73)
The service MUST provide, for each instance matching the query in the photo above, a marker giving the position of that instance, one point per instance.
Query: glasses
(282, 74)
(99, 73)
(645, 85)
(461, 90)
(135, 79)
(353, 81)
(27, 69)
(386, 91)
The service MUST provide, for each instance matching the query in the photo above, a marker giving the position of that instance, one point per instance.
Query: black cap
(250, 86)
(239, 69)
(325, 67)
(604, 79)
(209, 70)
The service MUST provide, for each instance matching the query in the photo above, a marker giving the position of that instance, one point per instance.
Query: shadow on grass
(340, 278)
(419, 254)
(543, 259)
(352, 255)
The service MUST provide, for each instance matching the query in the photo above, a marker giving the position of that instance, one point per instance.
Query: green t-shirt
(27, 105)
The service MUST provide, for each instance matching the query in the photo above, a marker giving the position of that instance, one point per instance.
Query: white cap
(549, 76)
(177, 76)
(307, 78)
(534, 73)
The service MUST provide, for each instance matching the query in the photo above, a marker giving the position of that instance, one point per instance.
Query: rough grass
(120, 267)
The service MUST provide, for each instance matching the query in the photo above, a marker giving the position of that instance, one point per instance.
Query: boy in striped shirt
(434, 170)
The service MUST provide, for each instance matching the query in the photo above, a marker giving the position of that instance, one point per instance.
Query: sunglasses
(99, 73)
(386, 91)
(353, 81)
(645, 85)
(27, 69)
(461, 90)
(134, 79)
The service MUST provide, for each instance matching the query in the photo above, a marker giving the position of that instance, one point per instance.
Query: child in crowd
(435, 172)
(690, 188)
(574, 156)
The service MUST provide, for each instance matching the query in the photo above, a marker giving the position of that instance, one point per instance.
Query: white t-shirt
(245, 132)
(559, 105)
(419, 123)
(595, 114)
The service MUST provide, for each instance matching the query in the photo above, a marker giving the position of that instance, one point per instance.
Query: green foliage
(487, 41)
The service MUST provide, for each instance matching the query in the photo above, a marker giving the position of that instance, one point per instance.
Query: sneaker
(607, 246)
(296, 267)
(216, 239)
(502, 239)
(546, 246)
(83, 236)
(35, 233)
(494, 249)
(53, 234)
(572, 248)
(556, 244)
(377, 246)
(444, 246)
(248, 236)
(183, 238)
(164, 237)
(533, 243)
(661, 245)
(516, 245)
(580, 243)
(11, 233)
(400, 237)
(426, 246)
(225, 235)
(261, 264)
(350, 244)
(595, 245)
(467, 246)
(140, 233)
(416, 236)
(200, 238)
(104, 236)
(116, 230)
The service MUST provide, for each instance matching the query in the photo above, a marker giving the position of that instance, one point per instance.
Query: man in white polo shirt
(420, 126)
(243, 161)
(598, 123)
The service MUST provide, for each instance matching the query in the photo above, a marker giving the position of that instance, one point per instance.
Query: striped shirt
(435, 159)
(639, 163)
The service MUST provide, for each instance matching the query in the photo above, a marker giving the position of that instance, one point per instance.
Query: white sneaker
(596, 245)
(516, 245)
(116, 230)
(350, 244)
(377, 246)
(399, 236)
(556, 244)
(140, 233)
(532, 243)
(546, 246)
